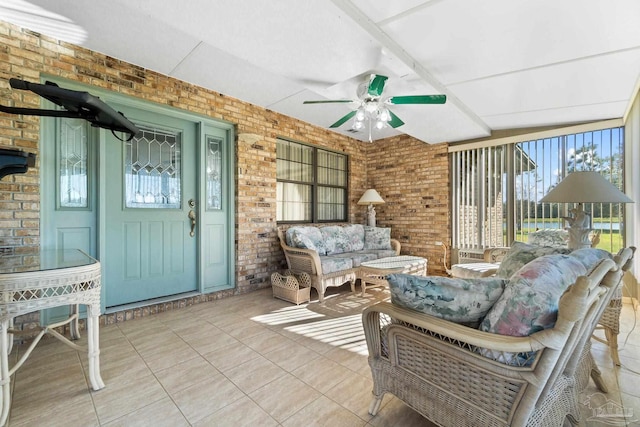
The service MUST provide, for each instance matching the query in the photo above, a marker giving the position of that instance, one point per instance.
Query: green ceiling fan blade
(376, 85)
(418, 99)
(328, 101)
(395, 121)
(342, 120)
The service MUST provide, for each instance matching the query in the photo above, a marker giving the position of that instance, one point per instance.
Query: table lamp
(371, 197)
(583, 187)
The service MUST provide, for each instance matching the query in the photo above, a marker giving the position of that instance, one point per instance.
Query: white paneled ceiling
(502, 63)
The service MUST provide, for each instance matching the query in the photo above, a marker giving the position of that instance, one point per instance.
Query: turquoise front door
(151, 219)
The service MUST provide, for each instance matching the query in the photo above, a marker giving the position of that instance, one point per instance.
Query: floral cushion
(590, 257)
(357, 257)
(380, 253)
(523, 253)
(529, 302)
(377, 238)
(332, 264)
(556, 238)
(456, 300)
(306, 238)
(340, 239)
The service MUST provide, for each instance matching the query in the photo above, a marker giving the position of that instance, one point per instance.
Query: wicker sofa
(331, 254)
(458, 375)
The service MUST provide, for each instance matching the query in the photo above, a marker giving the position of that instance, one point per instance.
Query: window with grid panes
(311, 183)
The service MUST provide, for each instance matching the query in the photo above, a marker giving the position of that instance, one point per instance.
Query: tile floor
(250, 360)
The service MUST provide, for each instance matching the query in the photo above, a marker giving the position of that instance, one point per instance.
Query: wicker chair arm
(444, 328)
(495, 255)
(395, 245)
(300, 260)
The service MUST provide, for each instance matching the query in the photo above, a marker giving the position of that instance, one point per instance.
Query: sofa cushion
(357, 257)
(523, 253)
(530, 300)
(456, 300)
(380, 253)
(590, 257)
(306, 238)
(331, 264)
(377, 238)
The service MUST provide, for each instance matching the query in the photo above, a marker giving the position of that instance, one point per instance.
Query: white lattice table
(374, 273)
(33, 282)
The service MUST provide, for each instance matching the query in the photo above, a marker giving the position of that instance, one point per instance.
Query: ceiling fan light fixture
(372, 112)
(384, 115)
(371, 107)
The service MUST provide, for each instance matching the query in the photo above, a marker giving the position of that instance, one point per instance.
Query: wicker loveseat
(331, 254)
(458, 375)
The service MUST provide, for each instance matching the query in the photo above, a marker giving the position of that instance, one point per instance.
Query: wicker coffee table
(374, 273)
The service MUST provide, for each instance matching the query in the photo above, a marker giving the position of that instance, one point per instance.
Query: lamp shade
(370, 197)
(585, 187)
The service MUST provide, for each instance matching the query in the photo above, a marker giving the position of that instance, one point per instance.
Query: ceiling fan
(372, 108)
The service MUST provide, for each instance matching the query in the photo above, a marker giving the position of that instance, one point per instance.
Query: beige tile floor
(250, 360)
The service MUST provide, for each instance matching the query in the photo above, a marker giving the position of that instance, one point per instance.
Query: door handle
(192, 217)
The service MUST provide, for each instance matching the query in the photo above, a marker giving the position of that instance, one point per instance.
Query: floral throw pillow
(523, 253)
(456, 300)
(377, 238)
(530, 300)
(306, 238)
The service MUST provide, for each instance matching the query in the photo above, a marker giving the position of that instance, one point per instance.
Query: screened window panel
(529, 170)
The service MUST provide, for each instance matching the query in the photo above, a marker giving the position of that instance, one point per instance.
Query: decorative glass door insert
(153, 169)
(72, 163)
(214, 172)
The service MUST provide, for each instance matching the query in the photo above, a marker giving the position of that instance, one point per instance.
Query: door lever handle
(192, 217)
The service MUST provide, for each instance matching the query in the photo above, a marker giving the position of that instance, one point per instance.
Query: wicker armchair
(437, 367)
(610, 319)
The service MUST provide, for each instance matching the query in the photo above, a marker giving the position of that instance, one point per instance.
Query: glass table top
(46, 259)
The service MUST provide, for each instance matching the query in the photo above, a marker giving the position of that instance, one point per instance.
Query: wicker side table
(44, 280)
(292, 287)
(374, 273)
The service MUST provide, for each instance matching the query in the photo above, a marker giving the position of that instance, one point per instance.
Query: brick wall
(413, 179)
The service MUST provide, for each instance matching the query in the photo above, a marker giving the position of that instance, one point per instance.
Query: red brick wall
(413, 179)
